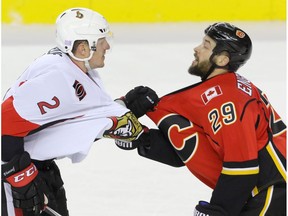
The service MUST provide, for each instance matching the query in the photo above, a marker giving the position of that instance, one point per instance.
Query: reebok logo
(151, 101)
(197, 213)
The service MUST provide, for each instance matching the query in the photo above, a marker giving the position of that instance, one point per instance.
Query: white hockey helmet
(80, 24)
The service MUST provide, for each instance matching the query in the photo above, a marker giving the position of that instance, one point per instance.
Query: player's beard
(200, 69)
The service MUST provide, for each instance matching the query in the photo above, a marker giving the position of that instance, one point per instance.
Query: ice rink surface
(113, 182)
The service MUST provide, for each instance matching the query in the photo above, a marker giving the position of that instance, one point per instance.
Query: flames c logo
(240, 34)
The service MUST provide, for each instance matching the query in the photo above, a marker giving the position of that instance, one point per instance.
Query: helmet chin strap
(85, 60)
(87, 65)
(211, 69)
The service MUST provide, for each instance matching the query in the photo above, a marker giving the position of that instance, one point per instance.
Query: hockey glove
(142, 140)
(27, 187)
(140, 100)
(206, 209)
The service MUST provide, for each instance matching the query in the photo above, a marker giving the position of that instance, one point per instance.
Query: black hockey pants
(269, 202)
(50, 173)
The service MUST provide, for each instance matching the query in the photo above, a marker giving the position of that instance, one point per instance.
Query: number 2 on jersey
(44, 104)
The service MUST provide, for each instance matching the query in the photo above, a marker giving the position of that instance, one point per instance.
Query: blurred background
(151, 11)
(153, 46)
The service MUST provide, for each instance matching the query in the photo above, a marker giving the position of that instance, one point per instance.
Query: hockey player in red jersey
(223, 129)
(58, 108)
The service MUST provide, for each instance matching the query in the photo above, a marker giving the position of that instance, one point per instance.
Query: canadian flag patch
(211, 93)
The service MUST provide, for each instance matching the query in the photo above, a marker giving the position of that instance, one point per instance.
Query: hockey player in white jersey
(58, 108)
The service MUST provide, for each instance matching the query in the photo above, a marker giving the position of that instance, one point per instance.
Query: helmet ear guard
(80, 24)
(232, 40)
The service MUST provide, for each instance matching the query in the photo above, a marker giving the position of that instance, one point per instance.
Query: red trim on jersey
(12, 123)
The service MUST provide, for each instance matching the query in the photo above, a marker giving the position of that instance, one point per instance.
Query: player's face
(201, 65)
(97, 60)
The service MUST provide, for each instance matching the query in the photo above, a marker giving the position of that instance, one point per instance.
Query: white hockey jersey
(58, 109)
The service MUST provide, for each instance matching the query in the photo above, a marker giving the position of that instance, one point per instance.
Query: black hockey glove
(27, 187)
(206, 209)
(140, 100)
(142, 140)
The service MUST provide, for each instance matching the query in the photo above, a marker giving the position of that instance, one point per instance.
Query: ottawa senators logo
(126, 127)
(79, 90)
(79, 15)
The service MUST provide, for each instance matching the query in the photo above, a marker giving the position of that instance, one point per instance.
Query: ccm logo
(23, 177)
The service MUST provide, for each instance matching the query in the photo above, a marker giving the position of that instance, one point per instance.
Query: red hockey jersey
(226, 132)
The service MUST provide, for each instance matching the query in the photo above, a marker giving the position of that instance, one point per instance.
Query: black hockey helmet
(232, 40)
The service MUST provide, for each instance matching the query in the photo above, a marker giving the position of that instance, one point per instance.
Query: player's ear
(222, 59)
(81, 49)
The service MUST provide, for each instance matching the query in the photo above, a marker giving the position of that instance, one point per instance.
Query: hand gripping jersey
(228, 135)
(58, 109)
